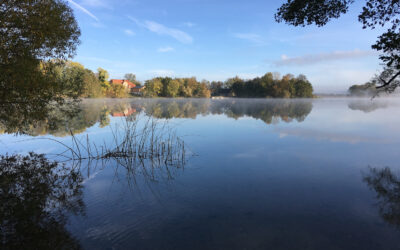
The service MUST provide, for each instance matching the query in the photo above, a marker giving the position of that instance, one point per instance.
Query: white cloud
(165, 49)
(322, 57)
(83, 10)
(160, 29)
(188, 24)
(129, 32)
(255, 38)
(162, 72)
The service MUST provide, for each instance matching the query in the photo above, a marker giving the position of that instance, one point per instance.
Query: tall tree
(31, 32)
(374, 14)
(103, 76)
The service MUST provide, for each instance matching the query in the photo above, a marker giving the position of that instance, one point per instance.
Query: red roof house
(125, 83)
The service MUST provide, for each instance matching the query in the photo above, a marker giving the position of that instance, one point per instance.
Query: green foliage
(83, 82)
(170, 87)
(30, 32)
(92, 87)
(375, 13)
(153, 87)
(103, 76)
(117, 91)
(270, 86)
(178, 87)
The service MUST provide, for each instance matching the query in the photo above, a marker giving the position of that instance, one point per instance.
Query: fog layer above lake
(256, 174)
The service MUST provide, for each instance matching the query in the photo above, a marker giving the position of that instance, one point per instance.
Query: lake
(236, 174)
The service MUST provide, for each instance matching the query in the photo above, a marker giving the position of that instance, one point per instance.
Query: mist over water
(259, 174)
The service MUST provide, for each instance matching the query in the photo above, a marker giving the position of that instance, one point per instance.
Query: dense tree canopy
(178, 87)
(384, 13)
(31, 32)
(269, 85)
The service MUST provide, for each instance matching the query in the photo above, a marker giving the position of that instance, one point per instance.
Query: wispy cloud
(188, 24)
(322, 57)
(160, 29)
(162, 72)
(83, 10)
(165, 49)
(96, 3)
(129, 32)
(254, 38)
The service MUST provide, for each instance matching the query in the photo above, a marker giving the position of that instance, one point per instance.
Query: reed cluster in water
(133, 142)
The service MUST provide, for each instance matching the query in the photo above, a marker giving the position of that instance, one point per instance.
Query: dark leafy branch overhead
(318, 12)
(375, 13)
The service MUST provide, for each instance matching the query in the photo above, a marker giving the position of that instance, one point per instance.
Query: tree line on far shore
(271, 85)
(85, 83)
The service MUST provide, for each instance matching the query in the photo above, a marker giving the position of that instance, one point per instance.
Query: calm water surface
(259, 174)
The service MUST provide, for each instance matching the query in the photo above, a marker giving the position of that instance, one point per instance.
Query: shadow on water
(36, 197)
(386, 186)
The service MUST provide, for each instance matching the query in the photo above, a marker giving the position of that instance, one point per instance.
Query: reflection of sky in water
(284, 185)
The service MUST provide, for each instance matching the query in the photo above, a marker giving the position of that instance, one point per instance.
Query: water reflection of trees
(62, 120)
(367, 106)
(36, 196)
(387, 188)
(58, 120)
(266, 110)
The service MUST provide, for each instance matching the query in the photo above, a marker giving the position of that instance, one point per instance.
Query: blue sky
(218, 39)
